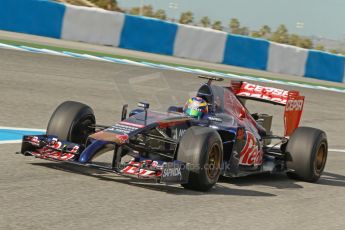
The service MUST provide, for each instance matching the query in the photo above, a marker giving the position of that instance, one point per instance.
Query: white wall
(287, 59)
(200, 44)
(92, 25)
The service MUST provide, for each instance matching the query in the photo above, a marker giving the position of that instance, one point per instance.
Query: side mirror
(143, 105)
(124, 112)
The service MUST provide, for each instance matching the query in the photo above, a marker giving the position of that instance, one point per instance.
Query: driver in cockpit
(196, 107)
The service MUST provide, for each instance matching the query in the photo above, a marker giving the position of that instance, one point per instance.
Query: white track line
(24, 129)
(46, 51)
(10, 142)
(10, 47)
(95, 58)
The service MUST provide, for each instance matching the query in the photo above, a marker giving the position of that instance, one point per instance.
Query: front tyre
(72, 121)
(202, 148)
(307, 151)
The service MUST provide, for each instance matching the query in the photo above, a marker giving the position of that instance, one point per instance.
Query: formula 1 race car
(171, 147)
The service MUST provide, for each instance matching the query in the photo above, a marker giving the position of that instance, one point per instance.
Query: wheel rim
(82, 130)
(214, 162)
(320, 159)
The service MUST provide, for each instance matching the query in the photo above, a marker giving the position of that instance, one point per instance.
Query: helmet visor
(193, 112)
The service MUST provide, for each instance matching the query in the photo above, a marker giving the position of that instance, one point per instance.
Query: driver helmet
(196, 107)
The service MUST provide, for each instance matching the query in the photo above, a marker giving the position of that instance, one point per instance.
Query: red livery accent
(122, 138)
(293, 112)
(53, 154)
(250, 154)
(57, 145)
(75, 149)
(131, 124)
(110, 136)
(133, 168)
(165, 124)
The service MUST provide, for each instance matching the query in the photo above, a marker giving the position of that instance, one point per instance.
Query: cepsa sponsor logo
(251, 154)
(268, 93)
(294, 105)
(268, 90)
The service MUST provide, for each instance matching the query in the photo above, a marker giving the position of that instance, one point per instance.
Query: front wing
(51, 148)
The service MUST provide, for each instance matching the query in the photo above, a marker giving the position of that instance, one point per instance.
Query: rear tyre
(202, 148)
(307, 152)
(72, 121)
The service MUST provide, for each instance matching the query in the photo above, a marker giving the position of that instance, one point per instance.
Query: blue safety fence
(246, 52)
(38, 17)
(148, 35)
(325, 66)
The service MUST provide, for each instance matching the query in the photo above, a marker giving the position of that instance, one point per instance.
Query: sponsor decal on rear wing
(293, 112)
(292, 100)
(261, 93)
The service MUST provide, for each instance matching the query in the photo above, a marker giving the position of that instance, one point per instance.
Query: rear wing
(291, 100)
(250, 91)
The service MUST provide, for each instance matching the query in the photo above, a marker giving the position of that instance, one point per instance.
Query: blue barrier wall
(325, 66)
(36, 17)
(246, 52)
(149, 35)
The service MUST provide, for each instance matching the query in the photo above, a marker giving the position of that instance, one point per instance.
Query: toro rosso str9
(171, 147)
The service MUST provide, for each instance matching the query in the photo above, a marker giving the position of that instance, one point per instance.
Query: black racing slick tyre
(202, 149)
(72, 121)
(307, 154)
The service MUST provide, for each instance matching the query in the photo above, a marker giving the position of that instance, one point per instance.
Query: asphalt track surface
(36, 194)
